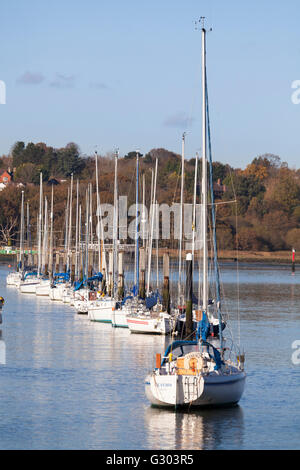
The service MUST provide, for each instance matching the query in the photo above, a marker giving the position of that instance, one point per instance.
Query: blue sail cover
(217, 355)
(126, 298)
(30, 273)
(135, 290)
(79, 284)
(96, 277)
(204, 327)
(152, 300)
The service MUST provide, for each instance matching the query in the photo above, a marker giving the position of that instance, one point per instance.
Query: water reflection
(82, 383)
(197, 429)
(2, 350)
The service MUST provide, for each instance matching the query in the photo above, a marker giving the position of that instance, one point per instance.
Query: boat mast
(143, 213)
(213, 216)
(157, 244)
(80, 250)
(77, 232)
(86, 237)
(67, 222)
(181, 222)
(204, 177)
(51, 235)
(21, 255)
(70, 226)
(98, 218)
(115, 226)
(40, 227)
(194, 207)
(152, 212)
(29, 247)
(45, 236)
(137, 268)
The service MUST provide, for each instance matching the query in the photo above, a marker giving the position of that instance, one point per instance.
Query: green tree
(18, 153)
(132, 155)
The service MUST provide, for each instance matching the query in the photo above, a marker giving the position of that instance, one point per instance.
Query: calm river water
(72, 384)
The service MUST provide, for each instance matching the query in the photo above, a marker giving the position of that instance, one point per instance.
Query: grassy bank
(245, 256)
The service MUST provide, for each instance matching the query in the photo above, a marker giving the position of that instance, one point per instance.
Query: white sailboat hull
(29, 287)
(197, 391)
(81, 302)
(67, 295)
(56, 293)
(81, 306)
(147, 325)
(102, 311)
(119, 318)
(43, 289)
(13, 279)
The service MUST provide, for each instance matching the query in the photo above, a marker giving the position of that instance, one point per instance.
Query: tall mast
(115, 226)
(80, 251)
(152, 212)
(86, 261)
(98, 218)
(204, 177)
(77, 232)
(21, 255)
(213, 216)
(194, 206)
(137, 269)
(91, 214)
(45, 235)
(51, 235)
(181, 220)
(143, 213)
(67, 222)
(70, 225)
(40, 226)
(29, 247)
(157, 244)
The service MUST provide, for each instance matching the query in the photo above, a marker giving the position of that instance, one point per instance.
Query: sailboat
(101, 308)
(14, 278)
(196, 372)
(31, 280)
(146, 316)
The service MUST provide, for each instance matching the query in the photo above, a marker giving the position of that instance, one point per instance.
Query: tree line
(258, 211)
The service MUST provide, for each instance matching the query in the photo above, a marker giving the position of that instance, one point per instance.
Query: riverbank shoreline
(275, 257)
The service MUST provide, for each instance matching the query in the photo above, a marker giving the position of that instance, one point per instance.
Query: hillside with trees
(258, 211)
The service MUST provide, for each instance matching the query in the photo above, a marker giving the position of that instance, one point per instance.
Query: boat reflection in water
(2, 350)
(196, 430)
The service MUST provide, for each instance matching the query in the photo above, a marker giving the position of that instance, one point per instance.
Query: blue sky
(110, 73)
